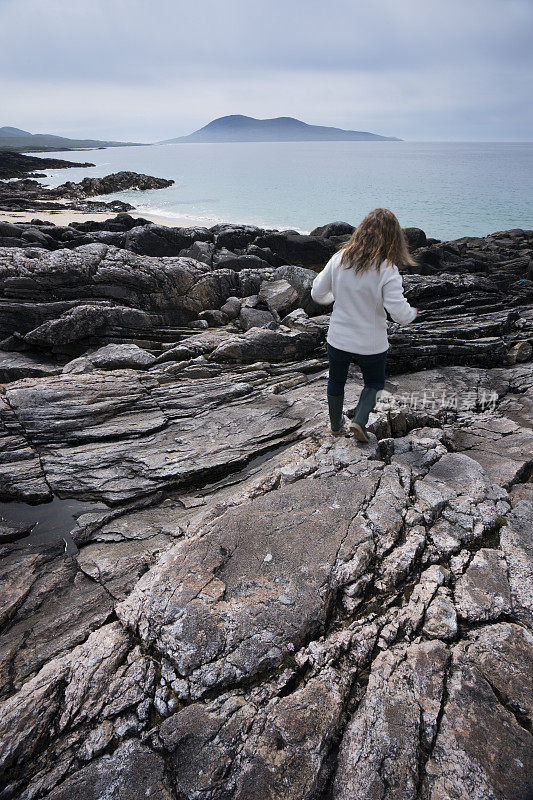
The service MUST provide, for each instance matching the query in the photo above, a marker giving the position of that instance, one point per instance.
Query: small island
(238, 128)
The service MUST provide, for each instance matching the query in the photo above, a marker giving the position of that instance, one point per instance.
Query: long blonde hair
(377, 238)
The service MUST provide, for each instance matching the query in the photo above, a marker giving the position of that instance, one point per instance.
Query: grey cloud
(167, 66)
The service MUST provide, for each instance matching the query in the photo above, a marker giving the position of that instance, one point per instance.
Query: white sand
(66, 217)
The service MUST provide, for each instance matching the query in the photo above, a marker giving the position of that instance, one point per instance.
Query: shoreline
(65, 217)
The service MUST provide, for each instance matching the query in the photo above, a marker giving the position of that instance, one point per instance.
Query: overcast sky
(145, 70)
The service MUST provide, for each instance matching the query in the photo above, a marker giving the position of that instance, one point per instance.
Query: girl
(363, 280)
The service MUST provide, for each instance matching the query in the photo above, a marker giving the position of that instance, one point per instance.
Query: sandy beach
(66, 217)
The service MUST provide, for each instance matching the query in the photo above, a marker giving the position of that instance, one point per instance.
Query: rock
(224, 259)
(19, 365)
(231, 308)
(113, 356)
(213, 626)
(265, 254)
(295, 319)
(499, 763)
(255, 318)
(482, 593)
(113, 437)
(134, 771)
(214, 317)
(40, 630)
(77, 323)
(250, 302)
(334, 229)
(21, 473)
(200, 251)
(289, 745)
(137, 295)
(415, 238)
(278, 296)
(301, 280)
(441, 617)
(397, 565)
(516, 545)
(501, 449)
(29, 194)
(11, 533)
(521, 351)
(259, 344)
(15, 165)
(378, 756)
(247, 606)
(193, 346)
(117, 182)
(295, 248)
(162, 240)
(234, 237)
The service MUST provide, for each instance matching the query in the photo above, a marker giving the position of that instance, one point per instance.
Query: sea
(449, 189)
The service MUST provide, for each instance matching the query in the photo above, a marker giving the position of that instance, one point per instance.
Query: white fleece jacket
(358, 322)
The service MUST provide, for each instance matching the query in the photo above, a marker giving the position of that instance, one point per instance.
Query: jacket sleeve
(393, 299)
(321, 290)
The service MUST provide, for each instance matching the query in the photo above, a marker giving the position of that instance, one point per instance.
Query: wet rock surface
(245, 606)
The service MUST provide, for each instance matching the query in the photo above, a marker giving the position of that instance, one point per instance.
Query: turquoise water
(449, 189)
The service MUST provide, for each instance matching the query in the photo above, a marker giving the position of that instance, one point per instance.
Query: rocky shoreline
(251, 608)
(24, 193)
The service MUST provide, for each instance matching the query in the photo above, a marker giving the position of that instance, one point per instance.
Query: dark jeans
(372, 367)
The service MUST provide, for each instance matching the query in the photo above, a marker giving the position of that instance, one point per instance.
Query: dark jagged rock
(223, 259)
(122, 292)
(116, 182)
(295, 248)
(28, 194)
(236, 237)
(160, 240)
(11, 533)
(334, 229)
(251, 608)
(416, 238)
(17, 165)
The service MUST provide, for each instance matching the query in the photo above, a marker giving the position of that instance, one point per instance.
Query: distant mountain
(6, 132)
(237, 128)
(17, 139)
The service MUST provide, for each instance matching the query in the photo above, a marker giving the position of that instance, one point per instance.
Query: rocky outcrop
(28, 195)
(243, 606)
(18, 165)
(117, 182)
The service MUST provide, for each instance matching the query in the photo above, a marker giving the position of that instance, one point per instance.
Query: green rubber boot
(335, 413)
(365, 405)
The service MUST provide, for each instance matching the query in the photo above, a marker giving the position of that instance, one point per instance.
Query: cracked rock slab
(482, 592)
(51, 607)
(132, 772)
(516, 543)
(482, 749)
(380, 751)
(220, 609)
(114, 436)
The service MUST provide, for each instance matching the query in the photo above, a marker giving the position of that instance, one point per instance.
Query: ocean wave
(212, 219)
